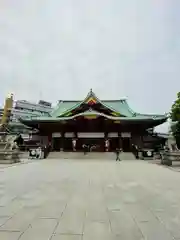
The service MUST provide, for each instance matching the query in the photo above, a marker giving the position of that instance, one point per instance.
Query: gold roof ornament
(116, 114)
(90, 117)
(117, 122)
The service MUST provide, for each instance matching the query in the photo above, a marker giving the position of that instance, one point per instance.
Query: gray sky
(59, 49)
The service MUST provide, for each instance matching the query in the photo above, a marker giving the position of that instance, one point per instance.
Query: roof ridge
(90, 94)
(103, 100)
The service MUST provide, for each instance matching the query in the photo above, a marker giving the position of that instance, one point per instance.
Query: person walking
(85, 148)
(39, 153)
(118, 150)
(135, 151)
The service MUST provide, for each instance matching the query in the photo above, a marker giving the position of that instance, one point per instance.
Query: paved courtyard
(89, 200)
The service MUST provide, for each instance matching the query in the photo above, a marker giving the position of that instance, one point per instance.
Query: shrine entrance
(96, 144)
(113, 144)
(94, 140)
(56, 144)
(126, 144)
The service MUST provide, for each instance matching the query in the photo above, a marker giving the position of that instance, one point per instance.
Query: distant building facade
(25, 109)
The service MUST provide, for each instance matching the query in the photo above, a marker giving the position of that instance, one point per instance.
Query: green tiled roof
(62, 107)
(88, 113)
(120, 106)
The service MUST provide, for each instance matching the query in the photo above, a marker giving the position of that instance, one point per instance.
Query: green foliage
(175, 117)
(175, 110)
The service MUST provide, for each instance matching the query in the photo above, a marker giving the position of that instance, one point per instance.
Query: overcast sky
(59, 49)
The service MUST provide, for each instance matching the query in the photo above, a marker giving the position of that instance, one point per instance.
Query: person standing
(85, 148)
(118, 150)
(45, 151)
(74, 145)
(39, 153)
(107, 145)
(135, 151)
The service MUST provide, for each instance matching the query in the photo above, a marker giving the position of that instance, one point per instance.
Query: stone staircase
(91, 155)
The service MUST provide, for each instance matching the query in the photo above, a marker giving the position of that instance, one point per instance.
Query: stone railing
(168, 157)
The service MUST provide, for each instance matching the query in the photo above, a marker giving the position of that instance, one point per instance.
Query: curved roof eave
(92, 113)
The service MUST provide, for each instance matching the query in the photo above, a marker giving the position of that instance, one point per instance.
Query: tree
(175, 117)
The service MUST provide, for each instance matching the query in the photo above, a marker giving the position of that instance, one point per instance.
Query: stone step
(127, 156)
(24, 155)
(80, 155)
(91, 155)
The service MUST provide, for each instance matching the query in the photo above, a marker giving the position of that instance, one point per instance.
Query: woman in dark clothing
(118, 150)
(19, 140)
(135, 151)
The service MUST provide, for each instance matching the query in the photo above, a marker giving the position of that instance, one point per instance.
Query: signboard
(113, 134)
(56, 135)
(90, 135)
(125, 134)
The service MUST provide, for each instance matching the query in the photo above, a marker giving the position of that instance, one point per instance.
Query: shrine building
(106, 124)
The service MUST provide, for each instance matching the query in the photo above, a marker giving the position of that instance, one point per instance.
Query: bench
(169, 157)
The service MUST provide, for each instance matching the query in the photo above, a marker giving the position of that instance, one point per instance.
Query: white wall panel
(90, 135)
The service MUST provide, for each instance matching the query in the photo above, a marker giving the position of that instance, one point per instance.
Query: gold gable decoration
(68, 114)
(116, 114)
(91, 101)
(117, 122)
(90, 117)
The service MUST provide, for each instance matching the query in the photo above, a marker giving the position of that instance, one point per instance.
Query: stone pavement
(89, 199)
(23, 161)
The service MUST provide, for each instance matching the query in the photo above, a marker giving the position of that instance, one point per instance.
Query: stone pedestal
(8, 156)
